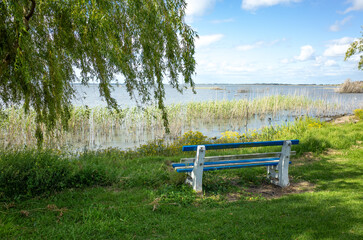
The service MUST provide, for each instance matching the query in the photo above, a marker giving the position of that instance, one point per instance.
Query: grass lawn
(147, 202)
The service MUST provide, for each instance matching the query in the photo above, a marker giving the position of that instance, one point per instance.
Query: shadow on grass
(303, 216)
(108, 214)
(331, 175)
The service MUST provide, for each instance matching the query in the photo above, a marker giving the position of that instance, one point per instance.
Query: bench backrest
(189, 148)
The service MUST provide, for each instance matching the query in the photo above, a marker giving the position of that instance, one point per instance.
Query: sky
(275, 41)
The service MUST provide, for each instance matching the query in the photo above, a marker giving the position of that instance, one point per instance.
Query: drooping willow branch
(29, 14)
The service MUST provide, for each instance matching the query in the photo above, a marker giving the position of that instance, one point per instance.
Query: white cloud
(336, 50)
(206, 40)
(198, 7)
(321, 61)
(223, 20)
(258, 45)
(285, 61)
(318, 60)
(242, 67)
(338, 24)
(357, 5)
(338, 47)
(250, 46)
(255, 4)
(306, 53)
(330, 63)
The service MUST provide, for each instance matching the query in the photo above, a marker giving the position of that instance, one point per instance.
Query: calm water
(90, 95)
(122, 138)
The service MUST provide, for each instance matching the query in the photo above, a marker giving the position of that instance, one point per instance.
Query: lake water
(90, 95)
(124, 138)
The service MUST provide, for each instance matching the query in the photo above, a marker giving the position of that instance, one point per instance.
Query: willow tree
(42, 42)
(356, 48)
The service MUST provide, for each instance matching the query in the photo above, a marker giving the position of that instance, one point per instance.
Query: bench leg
(272, 175)
(197, 173)
(283, 165)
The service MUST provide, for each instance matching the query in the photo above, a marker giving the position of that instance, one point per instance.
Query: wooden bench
(277, 163)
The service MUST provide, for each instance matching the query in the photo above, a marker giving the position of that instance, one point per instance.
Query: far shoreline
(237, 84)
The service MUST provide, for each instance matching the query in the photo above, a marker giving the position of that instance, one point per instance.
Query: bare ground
(272, 191)
(344, 119)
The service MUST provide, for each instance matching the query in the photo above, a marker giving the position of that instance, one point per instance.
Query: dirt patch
(331, 151)
(272, 191)
(344, 119)
(306, 157)
(357, 146)
(233, 197)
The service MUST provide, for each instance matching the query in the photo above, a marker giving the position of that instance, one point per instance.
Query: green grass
(147, 200)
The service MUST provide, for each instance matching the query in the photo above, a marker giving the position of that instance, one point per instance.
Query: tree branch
(31, 12)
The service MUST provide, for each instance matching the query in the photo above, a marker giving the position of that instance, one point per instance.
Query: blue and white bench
(277, 163)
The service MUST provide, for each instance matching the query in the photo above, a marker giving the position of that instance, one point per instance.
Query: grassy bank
(144, 198)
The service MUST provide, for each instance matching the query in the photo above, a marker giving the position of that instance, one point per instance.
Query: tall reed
(100, 126)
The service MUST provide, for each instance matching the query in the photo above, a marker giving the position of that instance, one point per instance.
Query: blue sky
(275, 41)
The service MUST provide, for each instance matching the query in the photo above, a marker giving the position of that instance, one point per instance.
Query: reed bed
(131, 126)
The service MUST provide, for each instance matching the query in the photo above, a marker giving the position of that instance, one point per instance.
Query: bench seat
(220, 165)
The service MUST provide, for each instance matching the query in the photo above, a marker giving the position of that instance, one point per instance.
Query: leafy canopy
(43, 41)
(356, 48)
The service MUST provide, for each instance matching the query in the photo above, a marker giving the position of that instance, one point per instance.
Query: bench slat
(229, 167)
(244, 156)
(239, 166)
(237, 145)
(226, 162)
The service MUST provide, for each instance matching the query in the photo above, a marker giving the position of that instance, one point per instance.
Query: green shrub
(359, 113)
(152, 148)
(192, 138)
(30, 173)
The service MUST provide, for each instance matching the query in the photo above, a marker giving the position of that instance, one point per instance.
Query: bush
(192, 138)
(351, 87)
(30, 173)
(359, 113)
(152, 148)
